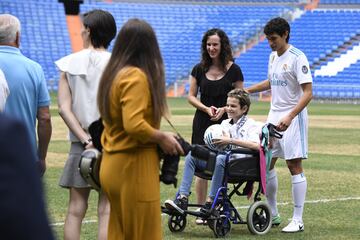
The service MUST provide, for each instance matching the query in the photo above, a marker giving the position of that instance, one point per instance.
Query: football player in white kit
(290, 81)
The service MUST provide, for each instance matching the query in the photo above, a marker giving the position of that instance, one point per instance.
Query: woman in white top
(78, 86)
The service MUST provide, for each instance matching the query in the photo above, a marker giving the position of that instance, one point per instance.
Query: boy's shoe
(200, 221)
(179, 204)
(206, 208)
(276, 220)
(294, 226)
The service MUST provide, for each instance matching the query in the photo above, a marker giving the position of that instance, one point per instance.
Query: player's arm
(259, 87)
(303, 102)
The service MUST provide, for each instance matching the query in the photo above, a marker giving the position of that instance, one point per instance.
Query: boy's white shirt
(250, 131)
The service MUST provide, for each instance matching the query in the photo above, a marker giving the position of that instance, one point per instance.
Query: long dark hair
(225, 51)
(136, 45)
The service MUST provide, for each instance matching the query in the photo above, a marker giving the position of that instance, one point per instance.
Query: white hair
(9, 26)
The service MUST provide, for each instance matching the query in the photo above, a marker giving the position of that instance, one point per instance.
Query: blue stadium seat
(180, 27)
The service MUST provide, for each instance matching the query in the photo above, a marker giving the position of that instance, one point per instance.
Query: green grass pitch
(332, 171)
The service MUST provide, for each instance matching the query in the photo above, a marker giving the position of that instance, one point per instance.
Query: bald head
(9, 29)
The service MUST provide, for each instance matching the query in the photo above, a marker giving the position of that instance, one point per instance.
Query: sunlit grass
(332, 171)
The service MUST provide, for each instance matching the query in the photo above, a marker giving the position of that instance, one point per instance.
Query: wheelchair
(242, 173)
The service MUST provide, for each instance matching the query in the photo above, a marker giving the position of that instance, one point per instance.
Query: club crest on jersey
(304, 69)
(285, 66)
(272, 59)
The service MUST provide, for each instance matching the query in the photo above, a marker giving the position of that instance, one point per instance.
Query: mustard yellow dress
(129, 173)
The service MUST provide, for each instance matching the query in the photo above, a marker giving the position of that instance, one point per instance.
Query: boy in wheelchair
(240, 131)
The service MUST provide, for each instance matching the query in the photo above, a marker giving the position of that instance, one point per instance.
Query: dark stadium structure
(328, 31)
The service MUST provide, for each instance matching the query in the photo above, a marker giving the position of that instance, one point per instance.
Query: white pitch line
(241, 207)
(317, 201)
(83, 222)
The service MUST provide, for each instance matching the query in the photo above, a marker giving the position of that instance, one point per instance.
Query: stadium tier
(317, 33)
(207, 1)
(44, 36)
(340, 2)
(180, 27)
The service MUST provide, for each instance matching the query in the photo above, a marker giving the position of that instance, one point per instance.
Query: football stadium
(326, 31)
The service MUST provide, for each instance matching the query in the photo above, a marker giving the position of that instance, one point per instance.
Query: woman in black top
(213, 78)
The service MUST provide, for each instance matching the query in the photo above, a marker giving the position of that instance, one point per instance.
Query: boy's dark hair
(242, 96)
(279, 26)
(102, 27)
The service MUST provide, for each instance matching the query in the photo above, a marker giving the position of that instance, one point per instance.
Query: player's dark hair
(278, 26)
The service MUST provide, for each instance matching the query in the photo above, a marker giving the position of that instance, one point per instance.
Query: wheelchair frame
(223, 212)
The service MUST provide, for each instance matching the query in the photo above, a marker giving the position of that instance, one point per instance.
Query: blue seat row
(329, 29)
(180, 38)
(44, 35)
(180, 28)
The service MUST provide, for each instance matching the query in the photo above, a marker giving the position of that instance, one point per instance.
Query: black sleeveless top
(212, 93)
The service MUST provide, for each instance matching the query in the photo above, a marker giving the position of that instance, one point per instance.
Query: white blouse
(83, 70)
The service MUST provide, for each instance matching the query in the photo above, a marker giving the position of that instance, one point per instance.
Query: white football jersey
(286, 73)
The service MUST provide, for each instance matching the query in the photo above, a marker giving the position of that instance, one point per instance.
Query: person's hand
(284, 123)
(211, 111)
(218, 114)
(271, 142)
(170, 145)
(90, 145)
(222, 141)
(41, 166)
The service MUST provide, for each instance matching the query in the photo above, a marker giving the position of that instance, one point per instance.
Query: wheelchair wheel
(221, 226)
(177, 223)
(210, 223)
(259, 218)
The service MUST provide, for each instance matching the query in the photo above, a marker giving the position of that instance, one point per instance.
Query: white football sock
(271, 191)
(299, 186)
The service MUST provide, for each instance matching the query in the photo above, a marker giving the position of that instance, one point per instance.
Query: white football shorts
(294, 143)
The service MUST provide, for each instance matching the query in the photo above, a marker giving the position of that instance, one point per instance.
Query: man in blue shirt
(29, 98)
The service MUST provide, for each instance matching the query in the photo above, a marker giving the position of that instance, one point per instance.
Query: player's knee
(295, 166)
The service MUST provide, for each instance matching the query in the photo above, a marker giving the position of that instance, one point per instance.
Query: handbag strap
(172, 126)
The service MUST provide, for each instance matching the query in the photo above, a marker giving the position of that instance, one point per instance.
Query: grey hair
(9, 26)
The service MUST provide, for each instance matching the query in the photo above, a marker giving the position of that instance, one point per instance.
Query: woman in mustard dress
(132, 101)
